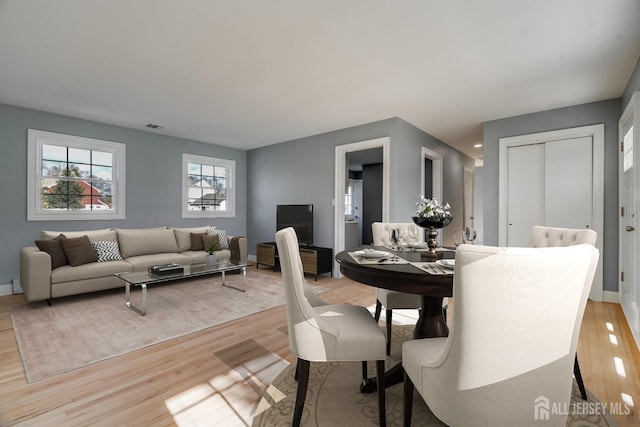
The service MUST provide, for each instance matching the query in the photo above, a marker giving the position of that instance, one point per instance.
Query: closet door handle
(630, 228)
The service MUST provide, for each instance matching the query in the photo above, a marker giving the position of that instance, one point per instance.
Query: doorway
(342, 152)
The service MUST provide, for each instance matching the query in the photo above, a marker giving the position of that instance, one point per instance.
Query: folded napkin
(378, 261)
(431, 268)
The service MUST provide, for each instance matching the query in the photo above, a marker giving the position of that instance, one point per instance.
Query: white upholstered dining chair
(320, 332)
(510, 352)
(542, 237)
(391, 300)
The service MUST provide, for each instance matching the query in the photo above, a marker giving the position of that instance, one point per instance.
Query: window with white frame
(74, 178)
(348, 201)
(207, 187)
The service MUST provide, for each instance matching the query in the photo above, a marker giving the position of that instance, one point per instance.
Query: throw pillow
(78, 250)
(196, 242)
(107, 251)
(55, 251)
(208, 240)
(222, 235)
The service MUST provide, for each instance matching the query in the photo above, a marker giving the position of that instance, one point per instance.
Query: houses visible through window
(208, 187)
(74, 178)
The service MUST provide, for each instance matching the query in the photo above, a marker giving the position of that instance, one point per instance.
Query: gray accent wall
(632, 86)
(302, 171)
(153, 180)
(607, 112)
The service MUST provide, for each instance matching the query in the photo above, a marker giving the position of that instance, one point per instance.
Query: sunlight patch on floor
(230, 399)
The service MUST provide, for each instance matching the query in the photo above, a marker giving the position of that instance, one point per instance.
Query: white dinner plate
(371, 253)
(447, 263)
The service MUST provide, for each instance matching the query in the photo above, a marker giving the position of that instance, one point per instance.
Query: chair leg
(302, 391)
(388, 332)
(295, 375)
(407, 407)
(378, 310)
(578, 375)
(364, 371)
(382, 406)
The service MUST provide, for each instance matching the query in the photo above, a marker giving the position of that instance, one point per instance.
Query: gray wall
(632, 86)
(302, 171)
(607, 112)
(154, 166)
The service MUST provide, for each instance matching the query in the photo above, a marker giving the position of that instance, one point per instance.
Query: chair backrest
(544, 237)
(309, 336)
(381, 230)
(516, 323)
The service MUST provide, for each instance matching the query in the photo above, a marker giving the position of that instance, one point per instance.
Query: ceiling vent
(154, 126)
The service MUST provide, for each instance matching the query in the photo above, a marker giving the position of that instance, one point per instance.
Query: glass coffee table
(145, 278)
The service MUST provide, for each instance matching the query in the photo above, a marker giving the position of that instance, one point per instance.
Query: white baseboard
(252, 258)
(6, 290)
(610, 296)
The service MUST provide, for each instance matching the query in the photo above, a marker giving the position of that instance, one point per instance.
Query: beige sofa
(138, 248)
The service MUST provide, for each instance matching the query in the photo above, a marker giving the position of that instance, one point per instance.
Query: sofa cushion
(107, 251)
(55, 251)
(222, 236)
(105, 235)
(196, 242)
(146, 241)
(78, 250)
(183, 236)
(93, 270)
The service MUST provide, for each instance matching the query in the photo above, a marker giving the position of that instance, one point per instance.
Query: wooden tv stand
(315, 260)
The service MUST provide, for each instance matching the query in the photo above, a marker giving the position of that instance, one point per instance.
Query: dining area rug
(79, 330)
(335, 400)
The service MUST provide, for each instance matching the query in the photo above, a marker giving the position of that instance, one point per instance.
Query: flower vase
(432, 244)
(212, 259)
(432, 232)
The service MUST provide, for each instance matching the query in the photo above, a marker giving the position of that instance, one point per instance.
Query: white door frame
(437, 172)
(625, 254)
(341, 152)
(594, 131)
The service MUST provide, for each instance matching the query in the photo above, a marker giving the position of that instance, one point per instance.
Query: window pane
(81, 170)
(221, 172)
(102, 172)
(54, 152)
(79, 155)
(102, 158)
(207, 170)
(193, 169)
(52, 168)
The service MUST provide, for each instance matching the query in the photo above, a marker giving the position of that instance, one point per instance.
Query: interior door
(628, 285)
(525, 192)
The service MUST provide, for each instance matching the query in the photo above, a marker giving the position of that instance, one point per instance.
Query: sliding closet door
(549, 184)
(525, 192)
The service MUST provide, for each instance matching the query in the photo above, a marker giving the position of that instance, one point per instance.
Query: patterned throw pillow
(107, 251)
(222, 237)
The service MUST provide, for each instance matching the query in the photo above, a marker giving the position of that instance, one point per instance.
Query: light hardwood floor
(215, 377)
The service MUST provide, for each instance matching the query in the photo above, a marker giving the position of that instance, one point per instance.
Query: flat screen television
(300, 217)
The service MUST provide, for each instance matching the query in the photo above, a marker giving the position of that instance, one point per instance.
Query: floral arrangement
(430, 211)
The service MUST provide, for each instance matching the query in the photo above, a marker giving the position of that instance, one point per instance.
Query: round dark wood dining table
(404, 277)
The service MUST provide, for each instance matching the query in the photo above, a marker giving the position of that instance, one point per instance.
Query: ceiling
(247, 74)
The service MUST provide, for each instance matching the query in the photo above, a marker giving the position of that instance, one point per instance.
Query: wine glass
(412, 231)
(395, 236)
(458, 238)
(469, 235)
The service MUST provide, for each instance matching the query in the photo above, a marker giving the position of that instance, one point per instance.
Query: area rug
(334, 398)
(83, 329)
